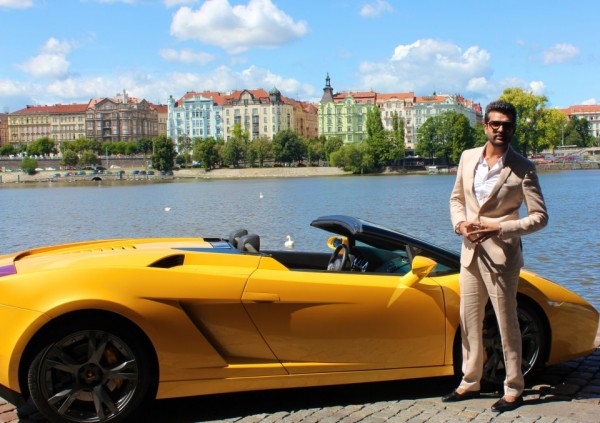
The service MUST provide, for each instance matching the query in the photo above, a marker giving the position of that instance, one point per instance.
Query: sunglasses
(496, 124)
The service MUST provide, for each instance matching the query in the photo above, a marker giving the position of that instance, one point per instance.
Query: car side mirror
(334, 241)
(421, 267)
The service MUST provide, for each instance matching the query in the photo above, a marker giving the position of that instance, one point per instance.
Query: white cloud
(144, 85)
(589, 102)
(560, 53)
(173, 3)
(425, 66)
(186, 56)
(375, 9)
(259, 24)
(537, 87)
(16, 4)
(51, 62)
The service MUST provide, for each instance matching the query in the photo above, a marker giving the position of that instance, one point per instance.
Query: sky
(70, 51)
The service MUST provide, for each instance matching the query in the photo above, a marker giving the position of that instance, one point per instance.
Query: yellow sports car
(91, 331)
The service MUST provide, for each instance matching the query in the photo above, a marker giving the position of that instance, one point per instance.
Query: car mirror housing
(421, 267)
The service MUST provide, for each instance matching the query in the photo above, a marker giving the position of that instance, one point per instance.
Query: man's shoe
(502, 405)
(455, 396)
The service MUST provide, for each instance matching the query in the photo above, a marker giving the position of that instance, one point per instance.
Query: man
(491, 184)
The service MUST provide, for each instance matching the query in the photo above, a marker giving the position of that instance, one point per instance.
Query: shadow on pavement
(238, 405)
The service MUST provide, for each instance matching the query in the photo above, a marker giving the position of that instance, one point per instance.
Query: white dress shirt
(486, 178)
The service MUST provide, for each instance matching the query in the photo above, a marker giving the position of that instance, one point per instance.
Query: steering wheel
(337, 263)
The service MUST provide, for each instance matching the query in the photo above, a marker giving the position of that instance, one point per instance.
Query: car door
(339, 321)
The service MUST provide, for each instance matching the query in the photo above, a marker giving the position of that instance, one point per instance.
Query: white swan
(289, 242)
(260, 195)
(167, 209)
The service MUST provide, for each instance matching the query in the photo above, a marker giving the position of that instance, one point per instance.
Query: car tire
(92, 373)
(534, 345)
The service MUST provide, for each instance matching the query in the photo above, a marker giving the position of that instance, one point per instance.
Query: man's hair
(503, 107)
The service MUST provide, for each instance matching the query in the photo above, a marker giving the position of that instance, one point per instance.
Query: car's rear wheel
(533, 342)
(97, 373)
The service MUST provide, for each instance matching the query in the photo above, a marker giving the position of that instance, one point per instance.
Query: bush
(29, 165)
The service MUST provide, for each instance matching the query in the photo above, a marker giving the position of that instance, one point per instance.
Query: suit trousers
(478, 282)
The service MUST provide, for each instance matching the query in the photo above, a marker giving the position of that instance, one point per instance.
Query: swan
(289, 242)
(167, 209)
(260, 195)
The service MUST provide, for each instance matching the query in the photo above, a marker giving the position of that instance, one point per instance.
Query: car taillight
(8, 270)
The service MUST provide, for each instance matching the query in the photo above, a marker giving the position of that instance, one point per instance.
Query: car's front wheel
(98, 373)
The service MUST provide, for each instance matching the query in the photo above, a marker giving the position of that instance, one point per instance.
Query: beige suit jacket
(518, 183)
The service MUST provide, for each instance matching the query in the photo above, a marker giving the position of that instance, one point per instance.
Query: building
(162, 111)
(196, 115)
(343, 115)
(67, 122)
(589, 112)
(261, 114)
(29, 124)
(3, 129)
(121, 118)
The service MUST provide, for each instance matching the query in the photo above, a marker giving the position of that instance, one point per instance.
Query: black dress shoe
(502, 405)
(455, 396)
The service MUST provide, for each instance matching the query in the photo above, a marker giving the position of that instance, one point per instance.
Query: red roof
(57, 108)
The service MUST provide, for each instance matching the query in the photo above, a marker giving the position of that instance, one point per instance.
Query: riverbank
(241, 173)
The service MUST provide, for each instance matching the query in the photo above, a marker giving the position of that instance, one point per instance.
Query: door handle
(260, 297)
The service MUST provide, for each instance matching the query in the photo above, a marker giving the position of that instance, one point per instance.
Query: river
(33, 215)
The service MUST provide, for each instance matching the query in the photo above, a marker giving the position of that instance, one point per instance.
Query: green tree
(376, 137)
(185, 147)
(259, 150)
(29, 164)
(7, 150)
(144, 146)
(206, 152)
(552, 128)
(395, 145)
(287, 147)
(88, 158)
(41, 147)
(578, 132)
(70, 158)
(355, 158)
(163, 158)
(315, 150)
(332, 145)
(530, 114)
(446, 135)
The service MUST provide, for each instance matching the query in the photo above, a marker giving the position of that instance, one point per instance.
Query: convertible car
(91, 331)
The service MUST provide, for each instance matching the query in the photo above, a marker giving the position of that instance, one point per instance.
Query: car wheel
(533, 341)
(91, 375)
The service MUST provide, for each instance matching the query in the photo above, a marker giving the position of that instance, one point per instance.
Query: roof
(57, 108)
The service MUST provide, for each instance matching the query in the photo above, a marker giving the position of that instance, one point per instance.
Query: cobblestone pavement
(565, 393)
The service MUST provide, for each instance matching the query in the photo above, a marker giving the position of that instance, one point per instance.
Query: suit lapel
(504, 174)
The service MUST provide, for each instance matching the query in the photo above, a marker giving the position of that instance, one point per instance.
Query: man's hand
(478, 232)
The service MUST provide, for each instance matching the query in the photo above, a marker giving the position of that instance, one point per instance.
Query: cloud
(186, 56)
(16, 4)
(560, 53)
(173, 3)
(145, 85)
(51, 62)
(259, 24)
(589, 102)
(537, 87)
(425, 66)
(375, 9)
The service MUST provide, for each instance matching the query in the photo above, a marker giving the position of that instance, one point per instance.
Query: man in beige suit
(491, 184)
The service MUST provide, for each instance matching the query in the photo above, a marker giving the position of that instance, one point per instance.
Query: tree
(69, 158)
(530, 113)
(144, 146)
(7, 150)
(355, 158)
(185, 147)
(578, 132)
(287, 147)
(332, 145)
(88, 158)
(259, 150)
(315, 150)
(206, 152)
(376, 139)
(163, 158)
(29, 164)
(395, 147)
(446, 135)
(41, 147)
